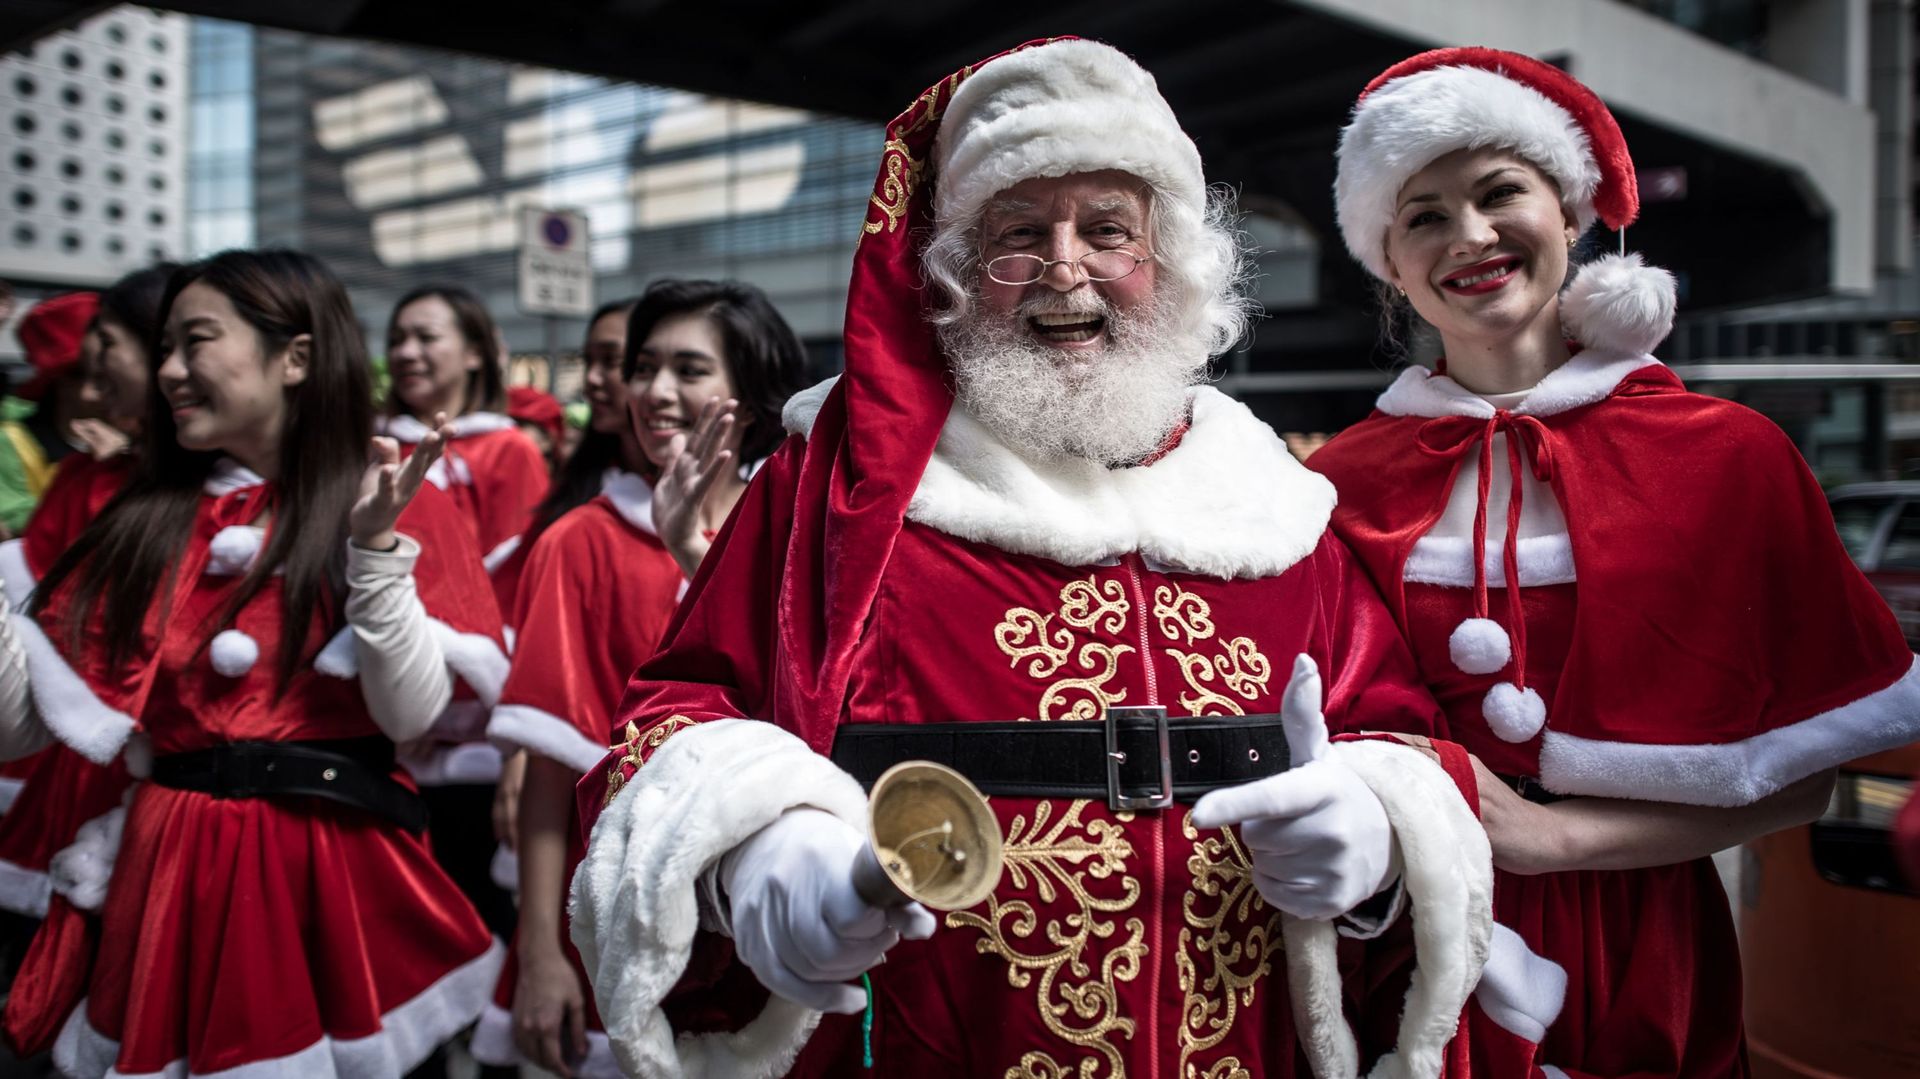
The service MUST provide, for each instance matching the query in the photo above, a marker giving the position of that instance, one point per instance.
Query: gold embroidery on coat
(1078, 1004)
(1090, 605)
(1239, 668)
(640, 749)
(1236, 937)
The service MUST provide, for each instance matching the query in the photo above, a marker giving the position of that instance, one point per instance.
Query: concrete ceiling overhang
(1263, 87)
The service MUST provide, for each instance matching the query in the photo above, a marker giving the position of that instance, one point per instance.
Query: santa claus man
(1018, 538)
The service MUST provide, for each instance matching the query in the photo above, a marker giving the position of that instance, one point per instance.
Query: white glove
(797, 922)
(1318, 837)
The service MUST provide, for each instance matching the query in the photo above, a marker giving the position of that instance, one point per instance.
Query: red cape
(1723, 645)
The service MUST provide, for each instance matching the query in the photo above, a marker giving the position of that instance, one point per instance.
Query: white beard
(1116, 406)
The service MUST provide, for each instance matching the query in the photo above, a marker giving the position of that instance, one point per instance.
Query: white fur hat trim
(1515, 713)
(1053, 110)
(233, 652)
(1480, 646)
(1617, 303)
(1403, 126)
(233, 550)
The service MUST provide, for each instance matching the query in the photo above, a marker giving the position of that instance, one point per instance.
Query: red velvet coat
(1117, 944)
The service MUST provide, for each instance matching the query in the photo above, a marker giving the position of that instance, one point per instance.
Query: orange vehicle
(1829, 922)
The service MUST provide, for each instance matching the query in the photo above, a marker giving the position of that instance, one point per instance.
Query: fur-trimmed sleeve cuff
(635, 900)
(1447, 867)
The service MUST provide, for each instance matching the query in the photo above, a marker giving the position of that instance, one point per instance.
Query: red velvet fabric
(496, 479)
(597, 596)
(1144, 919)
(1716, 602)
(241, 930)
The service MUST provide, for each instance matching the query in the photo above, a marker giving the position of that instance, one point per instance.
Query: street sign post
(556, 277)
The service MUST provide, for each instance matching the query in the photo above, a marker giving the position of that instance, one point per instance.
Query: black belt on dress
(1135, 758)
(351, 771)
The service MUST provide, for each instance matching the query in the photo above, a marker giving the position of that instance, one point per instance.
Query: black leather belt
(1530, 789)
(1135, 758)
(351, 771)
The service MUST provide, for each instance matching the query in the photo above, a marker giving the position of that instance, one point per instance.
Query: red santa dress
(599, 588)
(1687, 628)
(55, 791)
(261, 936)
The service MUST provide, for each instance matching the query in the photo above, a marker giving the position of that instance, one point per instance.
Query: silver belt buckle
(1117, 800)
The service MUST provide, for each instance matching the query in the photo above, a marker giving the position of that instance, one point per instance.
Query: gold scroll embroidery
(899, 175)
(1069, 857)
(1026, 635)
(639, 749)
(1239, 667)
(1231, 930)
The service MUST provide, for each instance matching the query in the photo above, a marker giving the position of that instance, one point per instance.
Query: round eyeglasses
(1110, 264)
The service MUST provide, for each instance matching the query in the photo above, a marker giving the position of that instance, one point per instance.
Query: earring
(1573, 242)
(1403, 292)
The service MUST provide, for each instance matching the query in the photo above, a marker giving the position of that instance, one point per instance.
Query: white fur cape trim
(451, 764)
(62, 699)
(1060, 108)
(449, 471)
(411, 429)
(1522, 992)
(1448, 561)
(1448, 876)
(502, 551)
(406, 1036)
(1407, 124)
(493, 1044)
(1228, 501)
(1734, 773)
(475, 657)
(632, 496)
(1583, 380)
(24, 891)
(9, 791)
(522, 726)
(634, 904)
(81, 870)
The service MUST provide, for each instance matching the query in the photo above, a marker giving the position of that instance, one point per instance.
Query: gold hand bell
(930, 840)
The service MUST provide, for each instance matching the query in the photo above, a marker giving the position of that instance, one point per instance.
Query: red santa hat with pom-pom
(1473, 98)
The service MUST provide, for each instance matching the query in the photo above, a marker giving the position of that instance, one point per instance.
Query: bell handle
(871, 883)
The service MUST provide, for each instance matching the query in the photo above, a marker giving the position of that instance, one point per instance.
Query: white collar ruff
(1228, 501)
(228, 476)
(1583, 380)
(411, 429)
(632, 497)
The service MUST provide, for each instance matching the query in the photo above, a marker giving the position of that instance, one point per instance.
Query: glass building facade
(220, 137)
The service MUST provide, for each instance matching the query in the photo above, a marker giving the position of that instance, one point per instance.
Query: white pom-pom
(1617, 303)
(1479, 646)
(234, 653)
(138, 756)
(233, 550)
(1515, 714)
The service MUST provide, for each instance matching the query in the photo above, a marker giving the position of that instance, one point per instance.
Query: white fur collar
(1583, 380)
(632, 495)
(411, 429)
(228, 476)
(1228, 501)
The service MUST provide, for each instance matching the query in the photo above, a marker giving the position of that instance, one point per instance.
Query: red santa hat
(528, 405)
(1429, 105)
(51, 335)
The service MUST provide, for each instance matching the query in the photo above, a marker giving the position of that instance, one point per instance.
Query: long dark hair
(134, 302)
(126, 557)
(579, 479)
(764, 358)
(487, 386)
